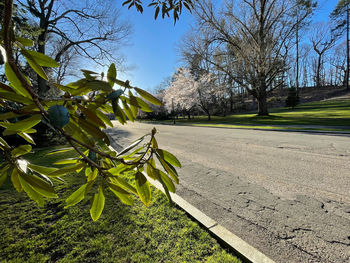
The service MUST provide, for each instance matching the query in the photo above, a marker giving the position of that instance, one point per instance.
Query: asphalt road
(285, 193)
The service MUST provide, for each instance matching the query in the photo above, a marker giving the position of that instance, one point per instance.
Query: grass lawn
(326, 113)
(51, 233)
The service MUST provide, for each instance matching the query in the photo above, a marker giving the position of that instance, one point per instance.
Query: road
(285, 193)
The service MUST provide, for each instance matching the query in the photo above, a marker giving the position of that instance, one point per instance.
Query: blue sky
(152, 52)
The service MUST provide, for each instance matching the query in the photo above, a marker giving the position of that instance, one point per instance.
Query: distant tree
(93, 29)
(322, 40)
(292, 99)
(341, 15)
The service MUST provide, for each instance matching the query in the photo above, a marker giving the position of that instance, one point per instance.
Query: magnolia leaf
(4, 143)
(170, 158)
(39, 185)
(128, 111)
(23, 125)
(42, 169)
(10, 96)
(26, 137)
(92, 116)
(111, 74)
(34, 195)
(169, 169)
(167, 181)
(3, 173)
(34, 65)
(62, 150)
(25, 41)
(67, 169)
(123, 184)
(123, 195)
(42, 59)
(104, 118)
(21, 150)
(119, 114)
(15, 82)
(76, 196)
(149, 97)
(133, 145)
(15, 180)
(143, 188)
(97, 204)
(99, 85)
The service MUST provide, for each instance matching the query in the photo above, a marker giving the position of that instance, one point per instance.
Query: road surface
(285, 193)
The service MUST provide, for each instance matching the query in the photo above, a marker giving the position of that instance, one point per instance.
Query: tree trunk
(347, 48)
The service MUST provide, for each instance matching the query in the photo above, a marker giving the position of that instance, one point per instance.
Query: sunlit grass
(159, 233)
(326, 113)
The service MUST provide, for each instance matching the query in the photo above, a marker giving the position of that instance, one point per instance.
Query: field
(160, 233)
(324, 115)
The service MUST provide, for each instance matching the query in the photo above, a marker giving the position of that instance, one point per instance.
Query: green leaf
(42, 169)
(25, 41)
(123, 195)
(10, 96)
(34, 65)
(3, 173)
(76, 196)
(67, 169)
(9, 115)
(133, 145)
(169, 169)
(123, 184)
(34, 195)
(119, 114)
(92, 116)
(42, 59)
(4, 143)
(99, 85)
(21, 126)
(97, 204)
(15, 82)
(104, 118)
(15, 180)
(149, 97)
(21, 150)
(62, 150)
(111, 74)
(67, 161)
(167, 181)
(143, 188)
(170, 158)
(39, 185)
(128, 111)
(27, 137)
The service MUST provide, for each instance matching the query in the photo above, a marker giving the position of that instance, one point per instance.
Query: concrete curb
(236, 244)
(239, 246)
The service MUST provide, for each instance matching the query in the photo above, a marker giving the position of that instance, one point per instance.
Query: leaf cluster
(80, 116)
(163, 7)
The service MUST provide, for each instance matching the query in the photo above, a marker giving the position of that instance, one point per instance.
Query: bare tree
(257, 32)
(92, 29)
(322, 41)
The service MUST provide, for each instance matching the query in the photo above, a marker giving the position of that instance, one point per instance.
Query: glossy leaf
(167, 181)
(97, 204)
(34, 65)
(42, 59)
(67, 169)
(111, 74)
(21, 150)
(123, 184)
(99, 85)
(15, 97)
(15, 180)
(143, 188)
(42, 169)
(22, 126)
(104, 118)
(123, 195)
(39, 185)
(34, 195)
(170, 158)
(3, 173)
(169, 169)
(27, 137)
(76, 196)
(128, 111)
(131, 146)
(119, 114)
(149, 97)
(25, 41)
(15, 82)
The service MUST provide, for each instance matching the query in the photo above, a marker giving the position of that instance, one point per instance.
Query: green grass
(327, 113)
(51, 233)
